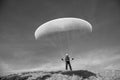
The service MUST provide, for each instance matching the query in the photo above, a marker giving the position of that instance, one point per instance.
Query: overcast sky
(20, 18)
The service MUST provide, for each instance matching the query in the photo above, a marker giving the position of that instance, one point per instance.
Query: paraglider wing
(62, 25)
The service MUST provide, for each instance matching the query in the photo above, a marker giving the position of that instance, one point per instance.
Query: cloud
(112, 66)
(5, 68)
(98, 57)
(44, 67)
(94, 59)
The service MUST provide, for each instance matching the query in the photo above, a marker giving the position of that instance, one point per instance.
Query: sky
(19, 51)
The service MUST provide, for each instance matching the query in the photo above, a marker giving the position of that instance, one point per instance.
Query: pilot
(67, 62)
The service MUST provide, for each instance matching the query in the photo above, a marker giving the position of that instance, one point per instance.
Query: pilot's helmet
(66, 54)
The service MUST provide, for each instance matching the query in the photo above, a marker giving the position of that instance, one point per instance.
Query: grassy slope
(64, 75)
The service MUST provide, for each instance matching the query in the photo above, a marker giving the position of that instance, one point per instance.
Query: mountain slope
(41, 75)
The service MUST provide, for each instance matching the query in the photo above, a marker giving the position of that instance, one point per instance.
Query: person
(67, 62)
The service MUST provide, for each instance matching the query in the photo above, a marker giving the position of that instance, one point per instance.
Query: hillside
(64, 75)
(40, 75)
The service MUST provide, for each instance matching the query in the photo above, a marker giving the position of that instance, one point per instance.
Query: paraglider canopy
(62, 25)
(62, 33)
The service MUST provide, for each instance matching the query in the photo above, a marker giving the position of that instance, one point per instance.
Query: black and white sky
(20, 51)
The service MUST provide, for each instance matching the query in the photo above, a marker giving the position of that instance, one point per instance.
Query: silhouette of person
(67, 62)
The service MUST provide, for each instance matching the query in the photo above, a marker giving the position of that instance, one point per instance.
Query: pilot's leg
(70, 66)
(66, 65)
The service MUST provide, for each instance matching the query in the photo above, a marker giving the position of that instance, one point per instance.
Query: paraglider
(63, 32)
